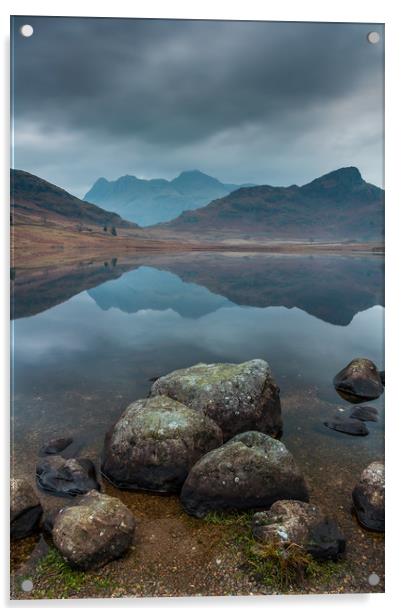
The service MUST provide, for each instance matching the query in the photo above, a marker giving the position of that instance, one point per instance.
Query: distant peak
(100, 182)
(192, 171)
(346, 176)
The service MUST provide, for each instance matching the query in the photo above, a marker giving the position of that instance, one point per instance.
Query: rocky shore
(208, 436)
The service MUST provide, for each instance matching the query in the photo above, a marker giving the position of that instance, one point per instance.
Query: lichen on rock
(155, 443)
(238, 397)
(250, 471)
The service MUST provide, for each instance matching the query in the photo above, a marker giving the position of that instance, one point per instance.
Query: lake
(89, 337)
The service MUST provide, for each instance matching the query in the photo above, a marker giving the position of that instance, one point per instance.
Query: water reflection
(103, 330)
(332, 288)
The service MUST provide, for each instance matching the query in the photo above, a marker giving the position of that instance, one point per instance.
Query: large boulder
(359, 381)
(66, 477)
(99, 528)
(368, 497)
(238, 397)
(155, 443)
(291, 521)
(251, 471)
(25, 509)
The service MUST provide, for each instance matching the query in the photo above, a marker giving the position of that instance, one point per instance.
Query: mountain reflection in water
(332, 288)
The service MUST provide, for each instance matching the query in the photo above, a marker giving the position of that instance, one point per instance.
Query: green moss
(54, 567)
(275, 566)
(229, 519)
(55, 579)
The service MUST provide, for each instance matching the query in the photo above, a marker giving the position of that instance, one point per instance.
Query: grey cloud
(152, 89)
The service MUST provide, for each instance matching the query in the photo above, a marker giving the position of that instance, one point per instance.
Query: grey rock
(359, 381)
(238, 397)
(155, 443)
(98, 529)
(364, 413)
(66, 477)
(25, 509)
(55, 445)
(368, 497)
(291, 521)
(348, 426)
(251, 471)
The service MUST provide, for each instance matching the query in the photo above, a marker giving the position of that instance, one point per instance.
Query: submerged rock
(364, 413)
(291, 521)
(99, 528)
(252, 470)
(368, 497)
(359, 381)
(55, 445)
(155, 443)
(25, 509)
(238, 397)
(348, 426)
(66, 477)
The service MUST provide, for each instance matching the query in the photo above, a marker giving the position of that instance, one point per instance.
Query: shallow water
(76, 364)
(90, 337)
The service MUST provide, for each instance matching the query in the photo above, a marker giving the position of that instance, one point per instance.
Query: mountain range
(338, 206)
(48, 223)
(148, 202)
(35, 198)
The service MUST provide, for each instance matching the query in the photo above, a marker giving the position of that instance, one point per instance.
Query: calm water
(89, 337)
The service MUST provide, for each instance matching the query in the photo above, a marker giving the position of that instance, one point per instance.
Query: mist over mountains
(148, 202)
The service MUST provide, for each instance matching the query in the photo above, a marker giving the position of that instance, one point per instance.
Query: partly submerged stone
(348, 426)
(364, 413)
(99, 528)
(304, 524)
(155, 443)
(359, 381)
(66, 477)
(55, 445)
(251, 471)
(368, 497)
(25, 509)
(238, 397)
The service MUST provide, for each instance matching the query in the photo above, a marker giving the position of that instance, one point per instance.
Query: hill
(48, 223)
(36, 198)
(339, 206)
(148, 202)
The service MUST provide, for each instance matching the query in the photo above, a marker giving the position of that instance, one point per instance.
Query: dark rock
(290, 521)
(49, 516)
(99, 528)
(368, 497)
(25, 509)
(54, 446)
(348, 426)
(359, 381)
(364, 413)
(251, 471)
(66, 477)
(155, 443)
(238, 397)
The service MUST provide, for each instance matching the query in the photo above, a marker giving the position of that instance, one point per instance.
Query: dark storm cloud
(171, 86)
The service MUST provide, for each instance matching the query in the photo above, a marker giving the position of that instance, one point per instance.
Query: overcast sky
(269, 103)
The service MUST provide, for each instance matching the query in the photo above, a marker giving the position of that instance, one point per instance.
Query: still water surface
(88, 339)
